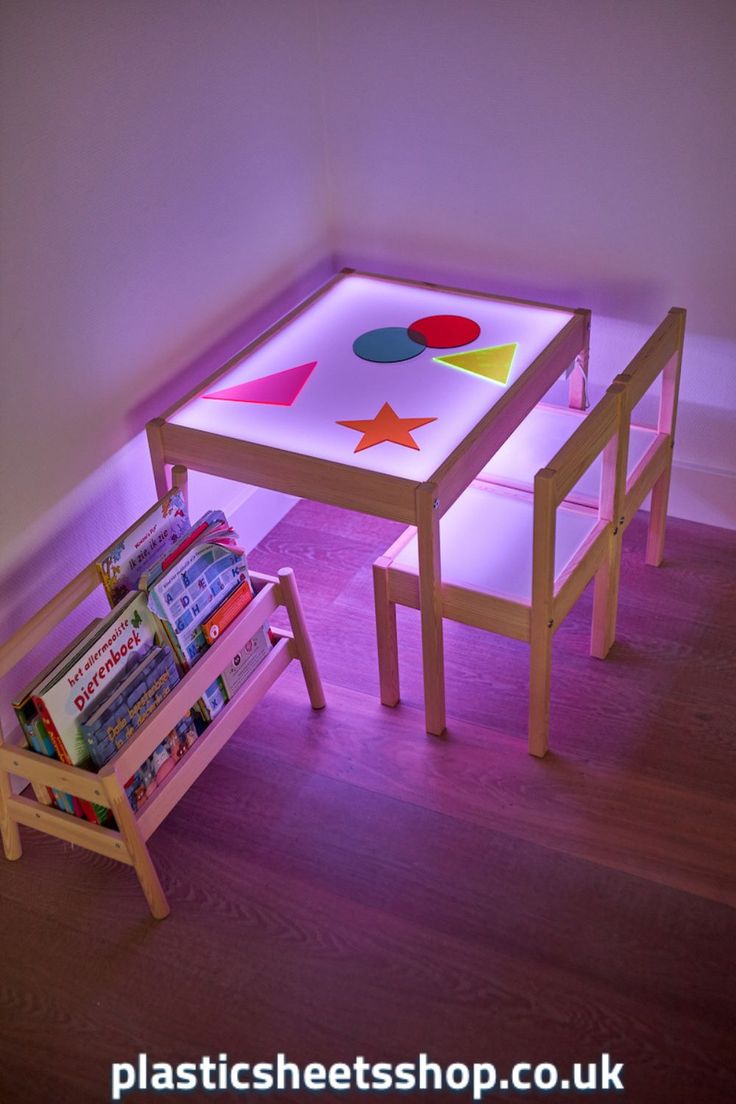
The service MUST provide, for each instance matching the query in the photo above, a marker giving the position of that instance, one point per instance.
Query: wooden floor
(342, 884)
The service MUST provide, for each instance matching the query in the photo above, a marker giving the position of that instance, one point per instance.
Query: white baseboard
(258, 513)
(252, 511)
(703, 494)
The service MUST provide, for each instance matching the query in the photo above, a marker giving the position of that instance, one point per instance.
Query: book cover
(227, 611)
(149, 679)
(246, 661)
(188, 592)
(160, 763)
(23, 698)
(157, 532)
(114, 720)
(37, 737)
(212, 527)
(85, 673)
(252, 653)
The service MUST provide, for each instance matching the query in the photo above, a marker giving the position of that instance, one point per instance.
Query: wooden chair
(516, 556)
(515, 563)
(649, 463)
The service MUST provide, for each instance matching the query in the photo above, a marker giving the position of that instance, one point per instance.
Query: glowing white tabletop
(343, 386)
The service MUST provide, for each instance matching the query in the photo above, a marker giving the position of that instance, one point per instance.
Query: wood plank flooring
(343, 884)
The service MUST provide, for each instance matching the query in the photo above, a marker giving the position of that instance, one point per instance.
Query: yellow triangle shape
(493, 363)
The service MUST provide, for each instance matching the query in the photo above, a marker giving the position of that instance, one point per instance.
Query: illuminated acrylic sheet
(345, 388)
(486, 538)
(540, 436)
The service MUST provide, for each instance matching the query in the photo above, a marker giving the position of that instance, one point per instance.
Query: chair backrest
(603, 431)
(660, 355)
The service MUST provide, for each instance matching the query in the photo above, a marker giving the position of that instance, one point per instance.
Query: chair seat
(537, 440)
(486, 541)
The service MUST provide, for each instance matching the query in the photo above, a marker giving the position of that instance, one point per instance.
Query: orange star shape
(387, 426)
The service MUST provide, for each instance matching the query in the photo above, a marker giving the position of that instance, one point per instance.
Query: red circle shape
(444, 331)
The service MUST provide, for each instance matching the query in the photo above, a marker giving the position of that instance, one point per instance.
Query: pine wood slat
(47, 618)
(646, 473)
(105, 841)
(293, 473)
(50, 772)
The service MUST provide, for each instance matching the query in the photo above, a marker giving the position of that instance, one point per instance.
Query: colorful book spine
(252, 653)
(97, 814)
(39, 741)
(191, 590)
(227, 611)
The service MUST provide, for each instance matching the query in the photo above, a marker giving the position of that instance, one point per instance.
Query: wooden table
(304, 448)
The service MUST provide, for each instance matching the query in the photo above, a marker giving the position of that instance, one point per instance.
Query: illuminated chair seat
(541, 435)
(486, 541)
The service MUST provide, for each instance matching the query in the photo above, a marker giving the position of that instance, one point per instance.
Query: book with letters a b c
(153, 535)
(84, 673)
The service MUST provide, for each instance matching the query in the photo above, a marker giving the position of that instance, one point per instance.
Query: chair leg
(658, 518)
(605, 599)
(388, 644)
(540, 671)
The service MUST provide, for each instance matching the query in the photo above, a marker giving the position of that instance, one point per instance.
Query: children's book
(83, 674)
(157, 532)
(151, 774)
(114, 720)
(35, 733)
(227, 611)
(246, 661)
(254, 651)
(38, 740)
(109, 725)
(213, 528)
(187, 587)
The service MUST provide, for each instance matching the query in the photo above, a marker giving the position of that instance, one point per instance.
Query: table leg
(386, 637)
(578, 379)
(180, 480)
(160, 476)
(430, 602)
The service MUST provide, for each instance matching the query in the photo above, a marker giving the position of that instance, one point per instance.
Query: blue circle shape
(387, 345)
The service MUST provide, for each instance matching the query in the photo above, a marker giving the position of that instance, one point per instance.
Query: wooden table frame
(381, 494)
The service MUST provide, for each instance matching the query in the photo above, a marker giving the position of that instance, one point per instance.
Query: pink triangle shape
(280, 389)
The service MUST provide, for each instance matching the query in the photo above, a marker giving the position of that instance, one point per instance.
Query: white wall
(578, 151)
(162, 169)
